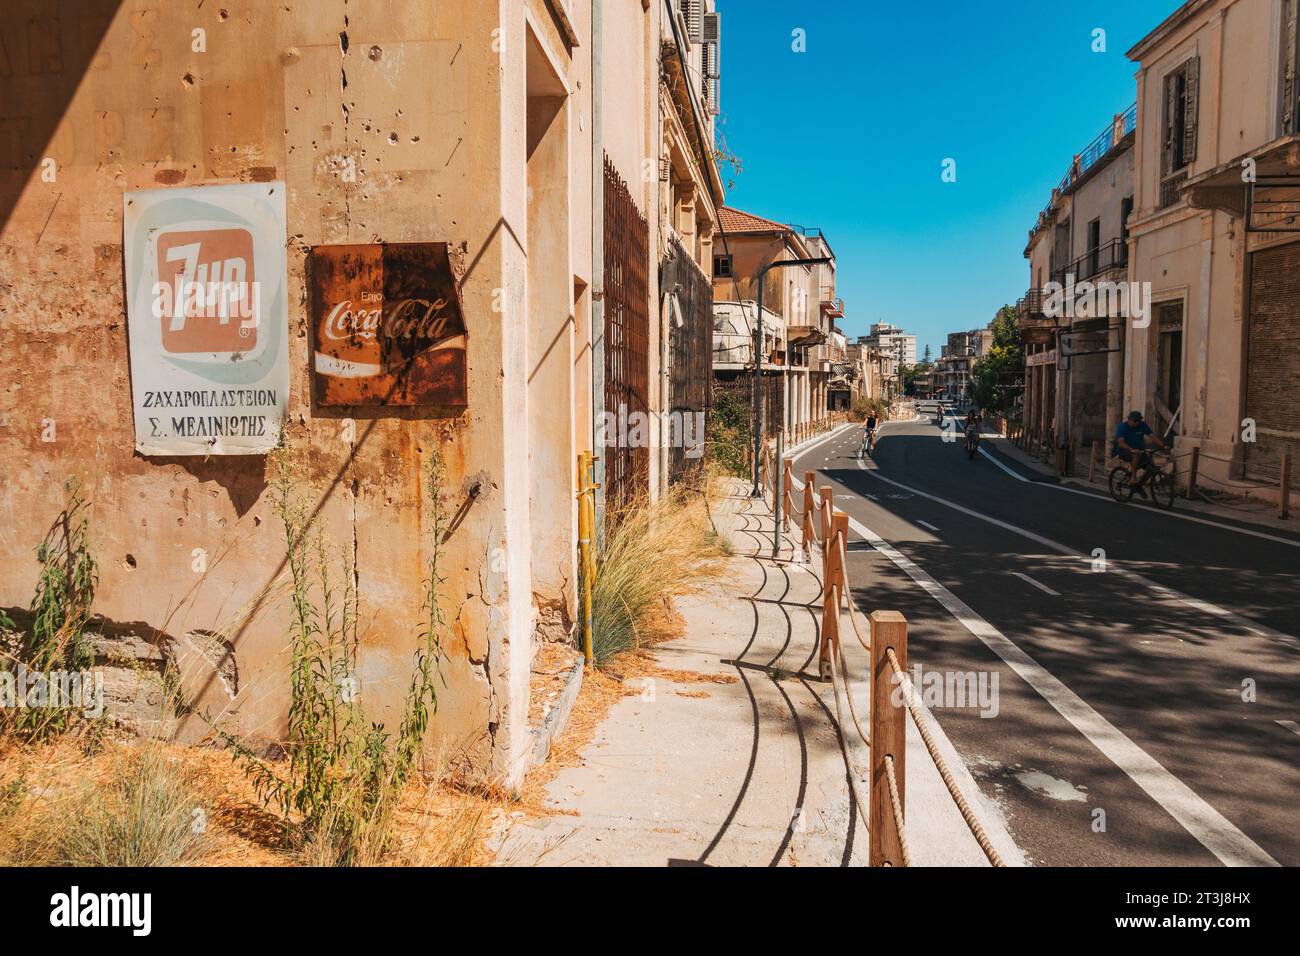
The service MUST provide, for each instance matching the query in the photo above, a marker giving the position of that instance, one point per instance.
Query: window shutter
(712, 27)
(1171, 110)
(1193, 73)
(693, 14)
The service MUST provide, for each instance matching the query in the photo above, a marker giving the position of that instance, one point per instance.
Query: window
(1178, 144)
(722, 267)
(1125, 210)
(1094, 247)
(1169, 355)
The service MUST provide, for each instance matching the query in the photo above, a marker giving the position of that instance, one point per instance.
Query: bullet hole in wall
(130, 561)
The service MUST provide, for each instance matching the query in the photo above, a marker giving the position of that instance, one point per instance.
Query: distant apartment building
(957, 358)
(1072, 319)
(877, 370)
(1216, 234)
(890, 338)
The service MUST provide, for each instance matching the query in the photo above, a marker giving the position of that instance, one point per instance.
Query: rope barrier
(844, 559)
(864, 807)
(897, 803)
(834, 590)
(976, 828)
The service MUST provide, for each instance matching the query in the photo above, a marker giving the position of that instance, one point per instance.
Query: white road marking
(926, 524)
(1290, 725)
(1214, 831)
(1236, 617)
(1042, 587)
(1014, 474)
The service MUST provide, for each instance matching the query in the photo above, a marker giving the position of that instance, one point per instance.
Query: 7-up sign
(206, 296)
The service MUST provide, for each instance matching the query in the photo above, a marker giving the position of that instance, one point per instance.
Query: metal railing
(1123, 124)
(1111, 255)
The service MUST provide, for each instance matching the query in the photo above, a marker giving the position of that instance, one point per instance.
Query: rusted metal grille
(690, 344)
(627, 336)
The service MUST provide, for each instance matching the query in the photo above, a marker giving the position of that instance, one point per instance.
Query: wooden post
(833, 579)
(1192, 471)
(1285, 510)
(888, 735)
(1092, 459)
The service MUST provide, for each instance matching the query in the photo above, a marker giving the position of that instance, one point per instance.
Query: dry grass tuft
(652, 553)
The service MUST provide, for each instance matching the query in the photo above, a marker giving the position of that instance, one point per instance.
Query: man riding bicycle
(1130, 445)
(868, 434)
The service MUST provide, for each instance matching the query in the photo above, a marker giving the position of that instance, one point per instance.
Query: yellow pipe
(586, 557)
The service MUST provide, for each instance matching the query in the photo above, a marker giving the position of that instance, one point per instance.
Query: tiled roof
(735, 221)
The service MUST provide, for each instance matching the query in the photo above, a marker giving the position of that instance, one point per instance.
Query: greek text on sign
(207, 318)
(389, 325)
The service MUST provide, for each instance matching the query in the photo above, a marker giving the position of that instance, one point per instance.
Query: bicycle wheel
(1121, 485)
(1163, 490)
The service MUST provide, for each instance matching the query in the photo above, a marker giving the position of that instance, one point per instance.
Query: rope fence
(823, 529)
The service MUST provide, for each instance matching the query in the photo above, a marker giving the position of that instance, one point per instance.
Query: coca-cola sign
(388, 325)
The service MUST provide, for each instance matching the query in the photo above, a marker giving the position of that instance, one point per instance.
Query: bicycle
(972, 441)
(1150, 474)
(868, 443)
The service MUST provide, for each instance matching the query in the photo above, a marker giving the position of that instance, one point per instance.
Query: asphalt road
(1147, 666)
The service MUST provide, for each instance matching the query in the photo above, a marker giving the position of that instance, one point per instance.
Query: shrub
(730, 433)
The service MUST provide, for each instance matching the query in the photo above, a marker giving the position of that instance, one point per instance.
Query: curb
(558, 718)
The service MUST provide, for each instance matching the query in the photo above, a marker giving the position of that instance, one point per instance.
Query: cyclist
(1130, 445)
(971, 428)
(868, 434)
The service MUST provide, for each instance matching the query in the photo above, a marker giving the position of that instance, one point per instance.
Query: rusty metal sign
(388, 323)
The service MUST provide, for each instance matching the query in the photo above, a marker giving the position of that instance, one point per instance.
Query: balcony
(1111, 256)
(1029, 308)
(802, 336)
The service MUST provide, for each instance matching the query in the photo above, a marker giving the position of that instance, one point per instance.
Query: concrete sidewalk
(748, 771)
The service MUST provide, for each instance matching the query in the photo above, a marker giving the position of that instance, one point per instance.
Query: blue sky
(851, 135)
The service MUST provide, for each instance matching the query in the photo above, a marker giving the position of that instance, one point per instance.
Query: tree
(910, 373)
(997, 378)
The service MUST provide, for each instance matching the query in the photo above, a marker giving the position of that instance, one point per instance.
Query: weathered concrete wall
(432, 109)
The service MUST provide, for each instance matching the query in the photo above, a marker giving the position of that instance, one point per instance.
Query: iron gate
(690, 343)
(627, 336)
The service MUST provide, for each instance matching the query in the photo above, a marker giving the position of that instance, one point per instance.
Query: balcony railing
(1171, 188)
(1112, 255)
(1123, 124)
(1030, 306)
